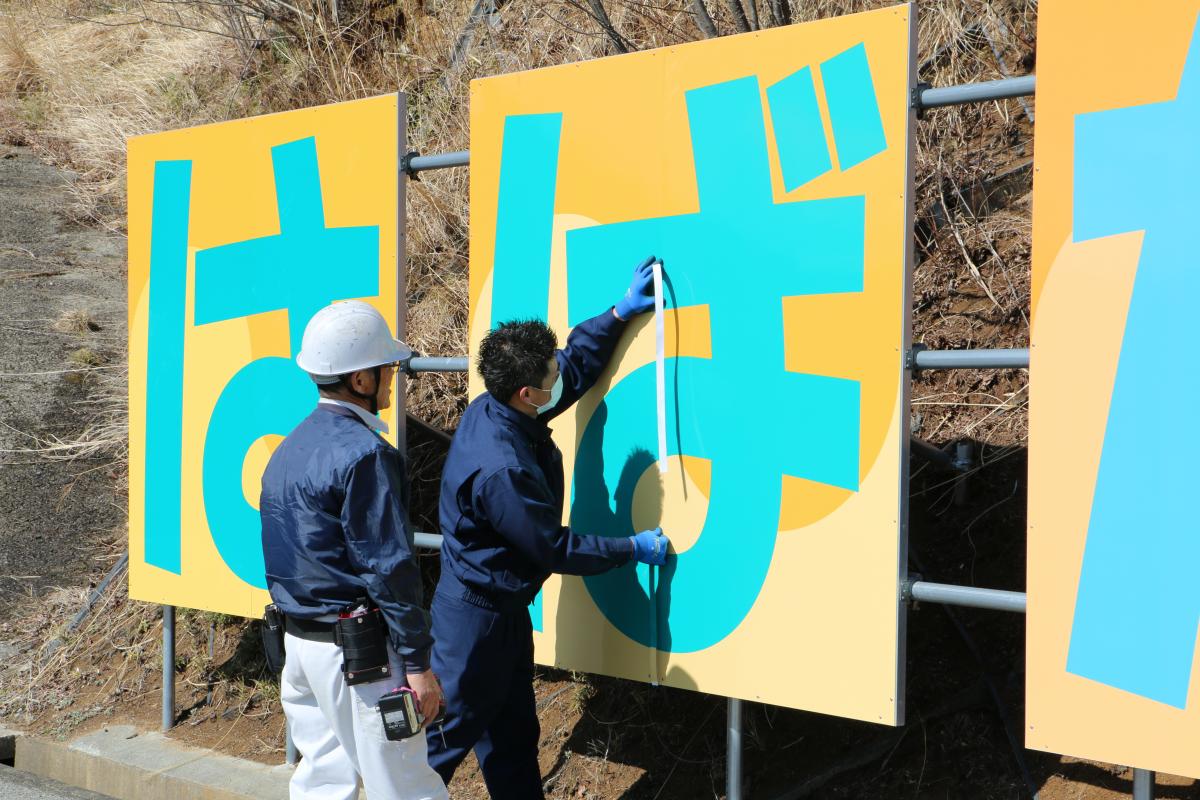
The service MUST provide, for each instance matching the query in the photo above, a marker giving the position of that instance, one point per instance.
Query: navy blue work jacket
(502, 492)
(335, 528)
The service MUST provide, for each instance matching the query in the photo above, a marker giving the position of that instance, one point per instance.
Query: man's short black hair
(515, 354)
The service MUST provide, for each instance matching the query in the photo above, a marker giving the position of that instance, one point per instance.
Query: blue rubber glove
(639, 296)
(650, 547)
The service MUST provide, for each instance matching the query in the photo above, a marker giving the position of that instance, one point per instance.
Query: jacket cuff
(416, 662)
(613, 316)
(626, 549)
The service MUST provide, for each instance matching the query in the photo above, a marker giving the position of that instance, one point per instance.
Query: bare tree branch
(602, 17)
(703, 19)
(781, 12)
(466, 37)
(739, 15)
(752, 10)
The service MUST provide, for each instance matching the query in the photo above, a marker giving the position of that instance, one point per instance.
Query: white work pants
(339, 733)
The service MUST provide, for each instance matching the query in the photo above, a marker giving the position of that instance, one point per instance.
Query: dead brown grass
(92, 74)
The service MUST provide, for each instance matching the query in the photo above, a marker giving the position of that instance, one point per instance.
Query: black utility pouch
(362, 635)
(272, 637)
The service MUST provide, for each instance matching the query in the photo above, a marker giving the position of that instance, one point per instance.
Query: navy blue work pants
(484, 659)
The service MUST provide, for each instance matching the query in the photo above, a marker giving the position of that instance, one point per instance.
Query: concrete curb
(8, 744)
(126, 764)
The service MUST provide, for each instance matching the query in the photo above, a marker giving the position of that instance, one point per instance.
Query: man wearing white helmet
(340, 568)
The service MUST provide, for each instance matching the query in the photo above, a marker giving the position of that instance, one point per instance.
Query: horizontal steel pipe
(428, 541)
(969, 596)
(415, 164)
(1001, 358)
(1022, 86)
(437, 364)
(928, 97)
(932, 453)
(921, 359)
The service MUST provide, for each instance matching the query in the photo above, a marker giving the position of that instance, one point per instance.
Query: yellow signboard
(1114, 542)
(238, 233)
(770, 172)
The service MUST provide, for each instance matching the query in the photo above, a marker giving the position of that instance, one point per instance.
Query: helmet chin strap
(372, 398)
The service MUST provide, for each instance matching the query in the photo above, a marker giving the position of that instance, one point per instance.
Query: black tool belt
(310, 629)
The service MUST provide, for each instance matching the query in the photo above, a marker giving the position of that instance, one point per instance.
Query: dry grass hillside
(79, 76)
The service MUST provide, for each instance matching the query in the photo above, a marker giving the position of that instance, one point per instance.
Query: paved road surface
(17, 785)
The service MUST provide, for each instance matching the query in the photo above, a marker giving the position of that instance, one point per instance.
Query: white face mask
(555, 395)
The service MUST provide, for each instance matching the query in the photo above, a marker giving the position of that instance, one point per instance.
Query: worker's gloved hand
(650, 547)
(639, 296)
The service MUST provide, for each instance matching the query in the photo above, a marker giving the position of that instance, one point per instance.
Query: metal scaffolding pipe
(291, 754)
(1000, 358)
(733, 751)
(926, 97)
(1002, 89)
(969, 596)
(428, 541)
(413, 163)
(1143, 784)
(438, 364)
(168, 667)
(932, 453)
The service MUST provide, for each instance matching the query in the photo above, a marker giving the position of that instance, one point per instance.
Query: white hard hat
(346, 337)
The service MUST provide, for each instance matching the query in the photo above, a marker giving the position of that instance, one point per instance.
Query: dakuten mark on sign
(769, 171)
(238, 233)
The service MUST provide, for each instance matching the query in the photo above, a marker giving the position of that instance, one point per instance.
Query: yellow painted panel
(1112, 615)
(784, 340)
(238, 232)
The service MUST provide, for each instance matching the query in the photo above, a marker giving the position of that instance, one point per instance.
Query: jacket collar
(509, 417)
(370, 420)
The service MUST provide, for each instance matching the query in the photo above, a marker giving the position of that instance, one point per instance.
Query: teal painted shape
(301, 270)
(740, 255)
(704, 593)
(268, 395)
(525, 229)
(525, 217)
(1138, 604)
(535, 611)
(853, 109)
(164, 362)
(799, 133)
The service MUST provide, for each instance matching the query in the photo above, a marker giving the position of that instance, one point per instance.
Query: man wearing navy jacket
(334, 531)
(501, 518)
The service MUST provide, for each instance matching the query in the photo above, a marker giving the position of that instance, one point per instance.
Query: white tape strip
(660, 370)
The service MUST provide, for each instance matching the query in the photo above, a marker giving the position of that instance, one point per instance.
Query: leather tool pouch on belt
(362, 635)
(272, 637)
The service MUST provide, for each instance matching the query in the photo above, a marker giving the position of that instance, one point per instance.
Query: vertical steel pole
(962, 463)
(401, 386)
(1143, 784)
(733, 746)
(292, 755)
(168, 665)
